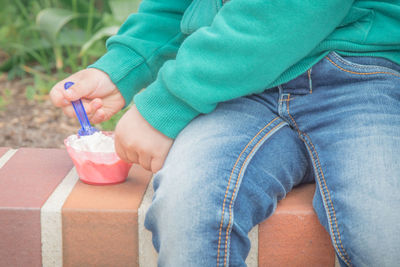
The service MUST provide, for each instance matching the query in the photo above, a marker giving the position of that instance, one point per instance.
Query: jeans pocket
(364, 65)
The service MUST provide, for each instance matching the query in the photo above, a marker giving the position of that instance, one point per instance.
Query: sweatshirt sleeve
(248, 45)
(143, 43)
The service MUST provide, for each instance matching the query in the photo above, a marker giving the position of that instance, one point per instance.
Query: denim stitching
(237, 182)
(361, 73)
(351, 64)
(286, 99)
(355, 65)
(345, 258)
(330, 200)
(280, 102)
(295, 124)
(229, 181)
(309, 79)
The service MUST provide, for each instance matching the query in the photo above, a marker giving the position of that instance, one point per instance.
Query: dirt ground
(31, 123)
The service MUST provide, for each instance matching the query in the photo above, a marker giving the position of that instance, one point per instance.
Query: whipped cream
(97, 142)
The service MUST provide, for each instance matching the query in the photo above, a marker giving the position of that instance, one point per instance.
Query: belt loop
(280, 90)
(309, 79)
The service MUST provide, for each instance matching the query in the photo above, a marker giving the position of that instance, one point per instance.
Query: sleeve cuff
(127, 70)
(164, 111)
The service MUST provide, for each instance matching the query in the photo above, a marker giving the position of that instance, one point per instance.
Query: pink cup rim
(84, 162)
(109, 133)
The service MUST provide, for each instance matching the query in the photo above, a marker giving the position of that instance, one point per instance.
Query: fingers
(58, 98)
(126, 155)
(80, 89)
(92, 108)
(120, 151)
(136, 141)
(99, 116)
(85, 84)
(156, 164)
(131, 156)
(145, 161)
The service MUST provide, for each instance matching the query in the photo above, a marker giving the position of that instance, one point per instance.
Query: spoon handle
(87, 129)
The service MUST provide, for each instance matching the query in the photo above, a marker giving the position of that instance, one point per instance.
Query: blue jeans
(338, 124)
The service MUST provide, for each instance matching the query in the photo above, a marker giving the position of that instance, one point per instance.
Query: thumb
(77, 90)
(74, 89)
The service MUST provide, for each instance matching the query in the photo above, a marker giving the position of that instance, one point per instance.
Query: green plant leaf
(112, 122)
(71, 37)
(104, 32)
(51, 20)
(28, 46)
(121, 9)
(6, 65)
(96, 50)
(30, 92)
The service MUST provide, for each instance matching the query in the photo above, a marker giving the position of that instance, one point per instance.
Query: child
(244, 101)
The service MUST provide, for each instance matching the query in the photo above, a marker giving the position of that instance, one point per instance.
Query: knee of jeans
(186, 195)
(371, 238)
(374, 242)
(182, 210)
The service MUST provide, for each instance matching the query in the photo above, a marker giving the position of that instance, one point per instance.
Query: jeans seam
(309, 79)
(237, 182)
(335, 55)
(361, 73)
(345, 257)
(228, 186)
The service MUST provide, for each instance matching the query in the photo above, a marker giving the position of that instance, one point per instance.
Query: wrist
(126, 69)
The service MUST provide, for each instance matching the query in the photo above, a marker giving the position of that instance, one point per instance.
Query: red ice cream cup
(98, 168)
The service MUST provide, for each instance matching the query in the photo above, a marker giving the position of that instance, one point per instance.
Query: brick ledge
(50, 218)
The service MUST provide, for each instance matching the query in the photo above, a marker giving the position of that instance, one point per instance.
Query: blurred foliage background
(47, 40)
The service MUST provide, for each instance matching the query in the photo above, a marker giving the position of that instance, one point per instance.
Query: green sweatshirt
(191, 55)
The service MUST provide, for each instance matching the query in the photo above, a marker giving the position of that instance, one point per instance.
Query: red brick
(293, 236)
(100, 223)
(26, 181)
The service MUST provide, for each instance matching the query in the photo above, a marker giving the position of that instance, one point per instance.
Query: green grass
(111, 123)
(5, 97)
(57, 37)
(47, 40)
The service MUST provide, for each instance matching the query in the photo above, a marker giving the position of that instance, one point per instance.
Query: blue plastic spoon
(86, 129)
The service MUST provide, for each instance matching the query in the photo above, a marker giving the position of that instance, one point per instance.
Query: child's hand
(99, 94)
(136, 141)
